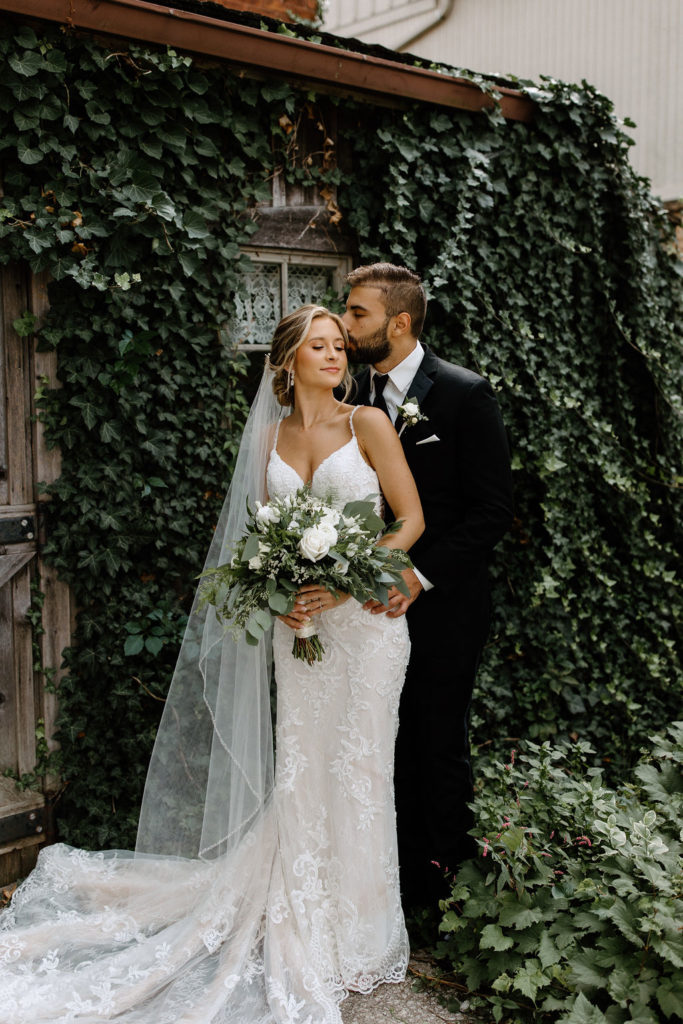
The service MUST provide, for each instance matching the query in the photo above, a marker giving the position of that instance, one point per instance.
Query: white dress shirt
(394, 394)
(400, 378)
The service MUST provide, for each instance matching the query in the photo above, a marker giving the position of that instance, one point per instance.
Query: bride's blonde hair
(290, 333)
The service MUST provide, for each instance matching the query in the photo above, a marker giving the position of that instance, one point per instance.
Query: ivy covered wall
(131, 176)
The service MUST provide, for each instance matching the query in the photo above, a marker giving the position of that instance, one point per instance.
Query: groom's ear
(402, 323)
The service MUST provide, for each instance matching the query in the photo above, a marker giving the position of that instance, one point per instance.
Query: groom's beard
(373, 349)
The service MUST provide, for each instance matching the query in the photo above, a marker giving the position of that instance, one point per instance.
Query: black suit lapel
(421, 383)
(419, 387)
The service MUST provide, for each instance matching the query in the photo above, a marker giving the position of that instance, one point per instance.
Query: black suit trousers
(433, 774)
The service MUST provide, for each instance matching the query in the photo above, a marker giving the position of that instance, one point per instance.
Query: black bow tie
(380, 382)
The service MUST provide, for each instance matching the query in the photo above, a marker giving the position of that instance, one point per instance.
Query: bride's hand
(311, 600)
(314, 599)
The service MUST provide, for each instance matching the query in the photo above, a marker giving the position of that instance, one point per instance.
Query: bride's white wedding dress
(304, 909)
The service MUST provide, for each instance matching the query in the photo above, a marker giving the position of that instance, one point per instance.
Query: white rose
(331, 517)
(266, 514)
(255, 562)
(316, 541)
(410, 409)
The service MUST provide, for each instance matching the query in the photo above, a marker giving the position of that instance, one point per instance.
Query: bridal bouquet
(296, 540)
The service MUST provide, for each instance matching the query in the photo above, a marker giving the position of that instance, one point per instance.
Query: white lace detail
(343, 476)
(277, 931)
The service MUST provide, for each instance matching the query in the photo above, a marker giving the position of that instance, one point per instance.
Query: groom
(458, 455)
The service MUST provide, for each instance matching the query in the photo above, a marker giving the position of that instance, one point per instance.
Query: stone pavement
(399, 1004)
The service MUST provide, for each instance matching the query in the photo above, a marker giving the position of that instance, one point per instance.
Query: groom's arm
(477, 487)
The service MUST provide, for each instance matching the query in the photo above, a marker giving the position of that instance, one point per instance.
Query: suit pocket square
(428, 440)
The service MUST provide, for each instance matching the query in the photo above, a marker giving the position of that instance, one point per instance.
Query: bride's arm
(381, 447)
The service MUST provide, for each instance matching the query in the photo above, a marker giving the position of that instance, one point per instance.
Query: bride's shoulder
(370, 423)
(363, 413)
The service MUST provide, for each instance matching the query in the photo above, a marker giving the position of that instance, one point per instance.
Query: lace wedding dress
(278, 929)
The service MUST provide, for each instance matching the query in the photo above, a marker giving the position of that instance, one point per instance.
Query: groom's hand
(398, 603)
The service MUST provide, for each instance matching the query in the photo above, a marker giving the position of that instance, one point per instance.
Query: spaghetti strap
(351, 415)
(276, 435)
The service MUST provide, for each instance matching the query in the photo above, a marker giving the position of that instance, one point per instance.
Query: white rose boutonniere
(410, 414)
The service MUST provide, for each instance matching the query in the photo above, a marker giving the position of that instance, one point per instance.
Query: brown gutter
(255, 48)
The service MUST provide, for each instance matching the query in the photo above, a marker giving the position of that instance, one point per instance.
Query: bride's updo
(289, 335)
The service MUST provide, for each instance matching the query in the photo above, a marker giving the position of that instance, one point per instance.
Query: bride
(255, 895)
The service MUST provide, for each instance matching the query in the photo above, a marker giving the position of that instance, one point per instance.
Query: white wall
(632, 50)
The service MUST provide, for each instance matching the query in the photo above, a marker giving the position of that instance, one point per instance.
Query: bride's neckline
(320, 464)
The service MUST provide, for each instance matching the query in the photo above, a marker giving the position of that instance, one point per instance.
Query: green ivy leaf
(88, 408)
(195, 225)
(28, 154)
(492, 938)
(27, 63)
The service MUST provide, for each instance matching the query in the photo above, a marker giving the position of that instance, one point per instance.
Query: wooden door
(24, 704)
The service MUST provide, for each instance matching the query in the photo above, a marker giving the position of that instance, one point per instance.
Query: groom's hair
(402, 290)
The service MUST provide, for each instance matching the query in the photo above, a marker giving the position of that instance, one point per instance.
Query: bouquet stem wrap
(307, 645)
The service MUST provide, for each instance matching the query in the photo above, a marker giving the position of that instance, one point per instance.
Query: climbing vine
(552, 272)
(132, 175)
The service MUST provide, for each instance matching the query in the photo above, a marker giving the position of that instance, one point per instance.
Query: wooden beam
(368, 76)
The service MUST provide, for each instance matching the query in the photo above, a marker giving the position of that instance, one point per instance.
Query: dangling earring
(290, 384)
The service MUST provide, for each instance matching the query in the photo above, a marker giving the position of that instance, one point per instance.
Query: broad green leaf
(670, 948)
(163, 205)
(548, 952)
(28, 154)
(584, 972)
(517, 916)
(89, 409)
(670, 997)
(195, 225)
(110, 431)
(529, 978)
(279, 603)
(189, 262)
(133, 645)
(264, 619)
(27, 63)
(111, 561)
(251, 548)
(25, 36)
(492, 938)
(583, 1012)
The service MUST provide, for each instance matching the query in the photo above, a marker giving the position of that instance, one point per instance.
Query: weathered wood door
(24, 461)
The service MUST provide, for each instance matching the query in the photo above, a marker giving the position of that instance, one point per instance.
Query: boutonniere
(410, 414)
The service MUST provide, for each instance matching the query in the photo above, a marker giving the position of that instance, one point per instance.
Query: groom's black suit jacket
(464, 483)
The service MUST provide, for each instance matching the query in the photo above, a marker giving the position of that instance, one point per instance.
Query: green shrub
(572, 912)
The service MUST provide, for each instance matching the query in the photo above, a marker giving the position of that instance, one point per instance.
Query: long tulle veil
(211, 771)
